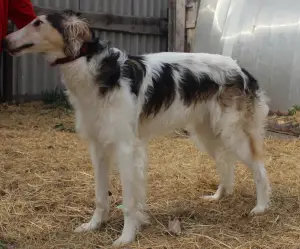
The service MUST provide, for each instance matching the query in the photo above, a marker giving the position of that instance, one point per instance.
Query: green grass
(56, 98)
(293, 110)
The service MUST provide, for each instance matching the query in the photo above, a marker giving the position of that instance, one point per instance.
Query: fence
(136, 26)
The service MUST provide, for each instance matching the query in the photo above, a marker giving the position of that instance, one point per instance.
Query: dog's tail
(259, 99)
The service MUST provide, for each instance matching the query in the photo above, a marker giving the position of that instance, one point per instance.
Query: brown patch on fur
(232, 96)
(207, 95)
(255, 147)
(143, 117)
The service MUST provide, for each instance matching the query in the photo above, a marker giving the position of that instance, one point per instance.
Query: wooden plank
(180, 25)
(190, 38)
(192, 9)
(171, 25)
(118, 23)
(177, 31)
(191, 13)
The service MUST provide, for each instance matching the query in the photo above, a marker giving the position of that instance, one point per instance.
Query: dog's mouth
(19, 49)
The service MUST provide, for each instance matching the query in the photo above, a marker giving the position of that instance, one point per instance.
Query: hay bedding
(46, 189)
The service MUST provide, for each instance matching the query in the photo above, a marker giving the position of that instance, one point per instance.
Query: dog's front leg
(125, 159)
(101, 173)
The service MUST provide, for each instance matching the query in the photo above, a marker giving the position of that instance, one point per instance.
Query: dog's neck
(83, 52)
(87, 49)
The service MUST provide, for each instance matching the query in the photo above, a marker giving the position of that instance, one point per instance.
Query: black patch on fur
(109, 73)
(56, 20)
(140, 59)
(237, 81)
(94, 47)
(194, 89)
(71, 13)
(135, 70)
(162, 93)
(252, 85)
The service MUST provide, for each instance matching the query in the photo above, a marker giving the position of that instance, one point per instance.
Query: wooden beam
(118, 23)
(192, 9)
(177, 31)
(180, 25)
(171, 25)
(191, 13)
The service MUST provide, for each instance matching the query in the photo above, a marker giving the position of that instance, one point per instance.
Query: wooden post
(180, 25)
(171, 25)
(191, 20)
(176, 26)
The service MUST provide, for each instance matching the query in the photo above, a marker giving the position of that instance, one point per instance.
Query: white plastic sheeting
(263, 36)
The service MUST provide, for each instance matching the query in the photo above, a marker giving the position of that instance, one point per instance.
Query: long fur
(123, 101)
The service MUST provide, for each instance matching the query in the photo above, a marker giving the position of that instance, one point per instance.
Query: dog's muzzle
(7, 47)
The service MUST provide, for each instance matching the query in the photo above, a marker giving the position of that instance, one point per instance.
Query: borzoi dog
(122, 101)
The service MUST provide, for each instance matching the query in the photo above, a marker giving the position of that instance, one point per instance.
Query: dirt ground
(47, 189)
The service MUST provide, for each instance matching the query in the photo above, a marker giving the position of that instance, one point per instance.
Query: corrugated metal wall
(32, 74)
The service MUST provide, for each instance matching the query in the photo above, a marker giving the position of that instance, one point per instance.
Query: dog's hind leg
(225, 168)
(224, 163)
(250, 152)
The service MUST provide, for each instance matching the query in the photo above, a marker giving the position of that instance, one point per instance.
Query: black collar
(83, 52)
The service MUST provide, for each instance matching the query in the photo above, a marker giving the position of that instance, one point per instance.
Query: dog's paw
(259, 209)
(90, 226)
(122, 241)
(211, 197)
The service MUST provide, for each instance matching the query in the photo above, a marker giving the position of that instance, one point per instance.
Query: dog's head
(53, 33)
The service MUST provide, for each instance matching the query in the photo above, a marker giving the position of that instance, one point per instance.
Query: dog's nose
(4, 44)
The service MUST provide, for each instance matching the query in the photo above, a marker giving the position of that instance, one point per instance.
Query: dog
(123, 101)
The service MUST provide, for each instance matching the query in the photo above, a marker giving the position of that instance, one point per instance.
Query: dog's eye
(37, 23)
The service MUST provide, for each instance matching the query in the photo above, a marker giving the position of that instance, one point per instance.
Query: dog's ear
(77, 31)
(70, 12)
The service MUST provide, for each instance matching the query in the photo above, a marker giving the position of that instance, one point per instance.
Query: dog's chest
(106, 118)
(95, 120)
(89, 119)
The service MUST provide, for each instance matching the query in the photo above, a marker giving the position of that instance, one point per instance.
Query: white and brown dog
(122, 101)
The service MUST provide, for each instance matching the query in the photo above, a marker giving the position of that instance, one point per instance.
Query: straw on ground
(47, 189)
